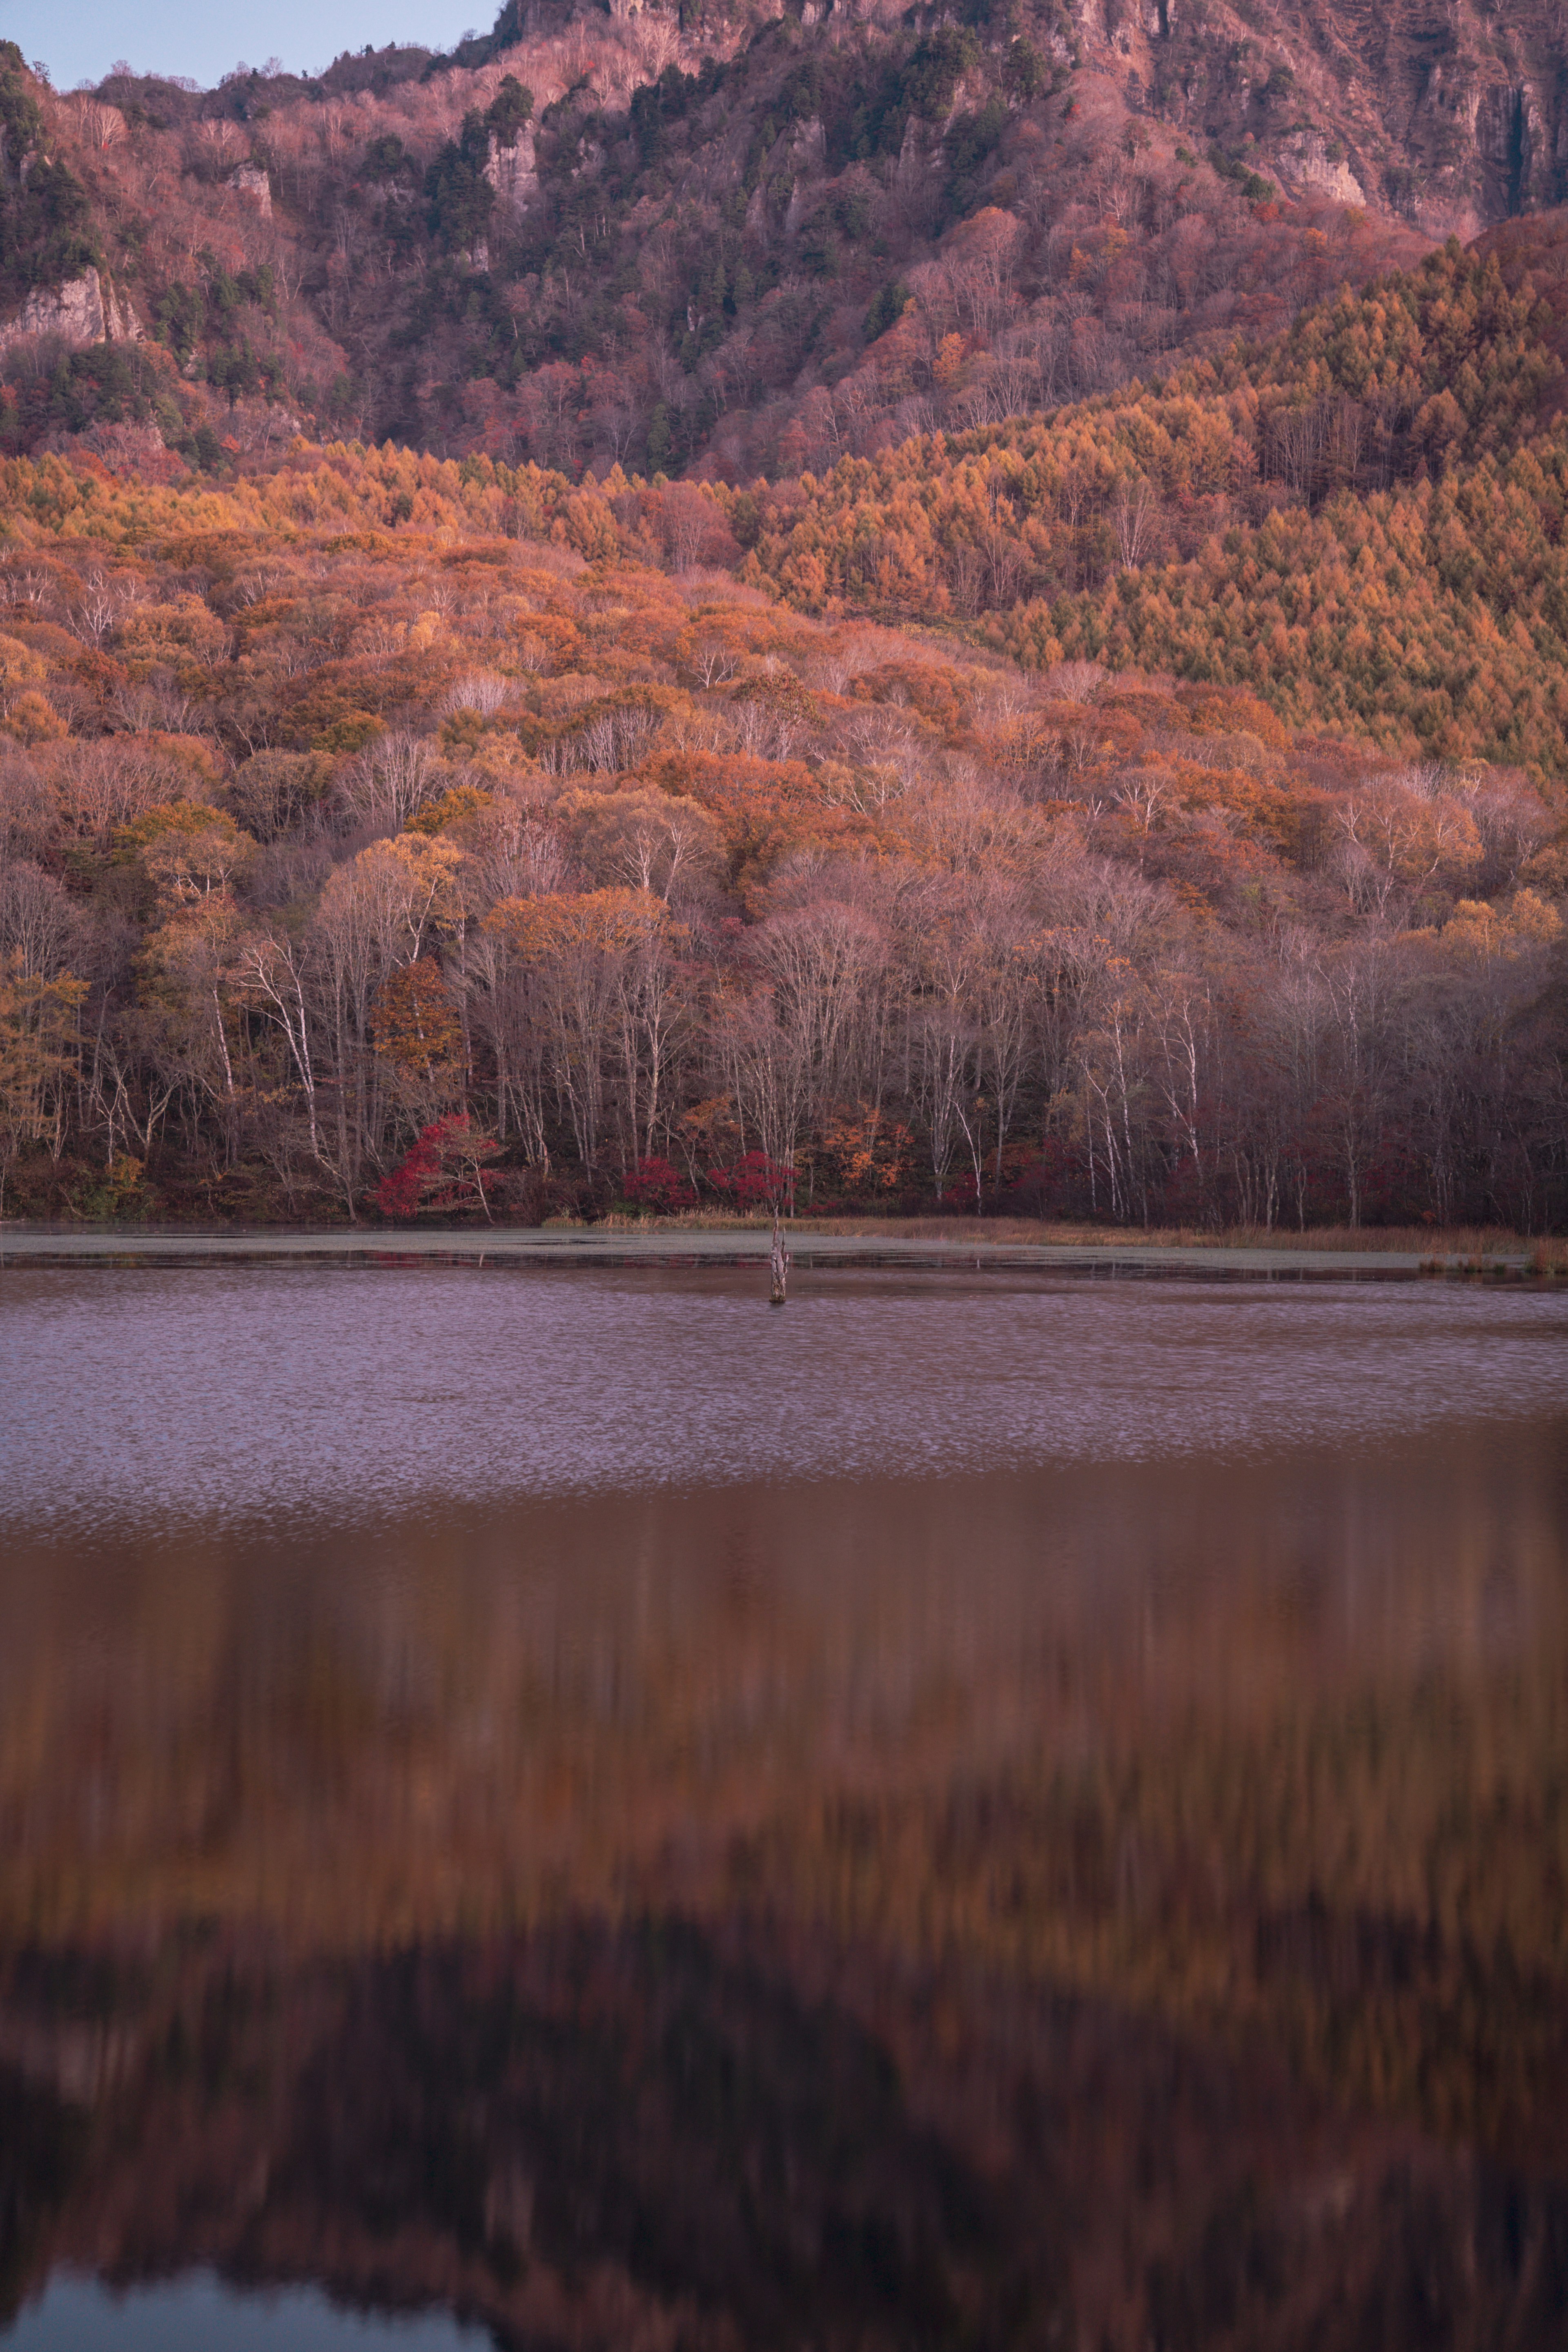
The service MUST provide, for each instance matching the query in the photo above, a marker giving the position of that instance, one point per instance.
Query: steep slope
(1447, 113)
(626, 239)
(1362, 522)
(672, 237)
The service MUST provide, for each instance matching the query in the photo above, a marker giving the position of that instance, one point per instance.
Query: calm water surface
(568, 1808)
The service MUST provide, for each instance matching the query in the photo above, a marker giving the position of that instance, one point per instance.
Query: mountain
(1360, 522)
(1099, 562)
(679, 238)
(673, 237)
(682, 239)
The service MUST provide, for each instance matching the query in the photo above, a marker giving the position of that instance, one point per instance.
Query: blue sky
(79, 40)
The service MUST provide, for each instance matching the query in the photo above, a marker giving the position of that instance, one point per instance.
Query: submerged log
(778, 1267)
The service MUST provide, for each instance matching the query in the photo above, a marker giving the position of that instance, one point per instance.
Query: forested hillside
(599, 239)
(679, 238)
(1150, 806)
(386, 835)
(1362, 521)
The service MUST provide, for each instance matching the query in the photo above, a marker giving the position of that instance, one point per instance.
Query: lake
(548, 1806)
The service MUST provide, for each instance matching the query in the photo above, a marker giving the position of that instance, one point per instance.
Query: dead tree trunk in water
(778, 1266)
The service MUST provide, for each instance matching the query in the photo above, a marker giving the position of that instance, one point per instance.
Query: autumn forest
(880, 787)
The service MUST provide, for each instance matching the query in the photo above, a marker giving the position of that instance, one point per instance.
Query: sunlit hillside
(371, 794)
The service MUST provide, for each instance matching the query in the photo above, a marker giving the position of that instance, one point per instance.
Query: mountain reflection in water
(1058, 1900)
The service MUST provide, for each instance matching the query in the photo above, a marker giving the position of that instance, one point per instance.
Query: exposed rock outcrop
(250, 181)
(1309, 162)
(1451, 114)
(86, 310)
(513, 172)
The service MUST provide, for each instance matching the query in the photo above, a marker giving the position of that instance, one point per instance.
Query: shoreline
(741, 1246)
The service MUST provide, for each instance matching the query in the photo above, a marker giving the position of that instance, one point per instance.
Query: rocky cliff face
(1451, 114)
(512, 172)
(86, 310)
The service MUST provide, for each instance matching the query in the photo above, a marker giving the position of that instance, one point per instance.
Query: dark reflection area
(1109, 1904)
(668, 2134)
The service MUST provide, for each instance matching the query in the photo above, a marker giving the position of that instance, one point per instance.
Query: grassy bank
(818, 1244)
(1478, 1242)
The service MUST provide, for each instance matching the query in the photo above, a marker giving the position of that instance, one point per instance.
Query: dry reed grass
(1472, 1244)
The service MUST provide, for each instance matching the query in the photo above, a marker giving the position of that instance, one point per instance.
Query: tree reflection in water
(663, 2132)
(1110, 1904)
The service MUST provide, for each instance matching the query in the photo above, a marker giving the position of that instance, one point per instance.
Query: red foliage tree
(755, 1182)
(444, 1171)
(655, 1184)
